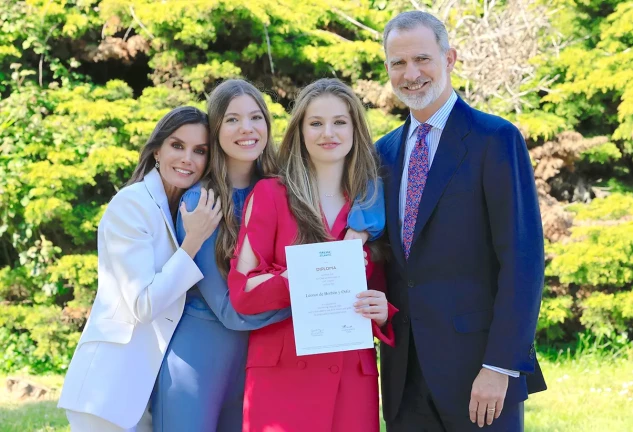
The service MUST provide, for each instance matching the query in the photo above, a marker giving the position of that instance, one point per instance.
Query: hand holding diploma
(372, 304)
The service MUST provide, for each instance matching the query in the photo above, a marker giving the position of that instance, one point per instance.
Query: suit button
(334, 369)
(410, 284)
(405, 319)
(301, 364)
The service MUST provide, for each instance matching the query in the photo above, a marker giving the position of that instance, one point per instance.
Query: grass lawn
(586, 395)
(41, 415)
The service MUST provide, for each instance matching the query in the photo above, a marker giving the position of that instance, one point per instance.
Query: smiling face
(328, 130)
(418, 70)
(244, 132)
(183, 156)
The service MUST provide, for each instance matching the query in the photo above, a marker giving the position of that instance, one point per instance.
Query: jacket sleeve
(261, 230)
(369, 215)
(129, 244)
(213, 286)
(517, 237)
(378, 282)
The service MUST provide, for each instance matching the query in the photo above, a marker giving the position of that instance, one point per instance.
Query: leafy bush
(36, 339)
(554, 312)
(83, 83)
(605, 153)
(614, 206)
(608, 314)
(596, 255)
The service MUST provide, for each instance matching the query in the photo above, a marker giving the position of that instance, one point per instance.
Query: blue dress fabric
(200, 386)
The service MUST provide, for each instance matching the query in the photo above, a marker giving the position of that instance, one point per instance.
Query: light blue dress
(200, 386)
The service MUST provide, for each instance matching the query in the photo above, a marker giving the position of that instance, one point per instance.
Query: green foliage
(608, 314)
(596, 255)
(594, 89)
(615, 185)
(602, 154)
(541, 124)
(69, 143)
(381, 123)
(279, 117)
(83, 83)
(79, 273)
(554, 312)
(35, 339)
(614, 206)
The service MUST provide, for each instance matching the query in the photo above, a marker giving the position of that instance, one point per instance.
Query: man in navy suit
(465, 231)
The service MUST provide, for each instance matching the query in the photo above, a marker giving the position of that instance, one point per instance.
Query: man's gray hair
(414, 19)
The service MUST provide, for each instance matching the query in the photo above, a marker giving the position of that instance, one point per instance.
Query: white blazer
(143, 279)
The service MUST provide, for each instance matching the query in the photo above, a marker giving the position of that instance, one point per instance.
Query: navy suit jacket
(470, 291)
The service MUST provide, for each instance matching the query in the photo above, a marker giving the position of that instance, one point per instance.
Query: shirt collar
(439, 118)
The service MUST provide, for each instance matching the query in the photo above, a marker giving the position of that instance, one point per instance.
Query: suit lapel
(450, 153)
(393, 195)
(156, 189)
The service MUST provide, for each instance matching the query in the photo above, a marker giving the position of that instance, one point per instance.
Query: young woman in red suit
(327, 156)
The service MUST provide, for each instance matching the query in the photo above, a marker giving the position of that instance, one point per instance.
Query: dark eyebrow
(237, 115)
(175, 138)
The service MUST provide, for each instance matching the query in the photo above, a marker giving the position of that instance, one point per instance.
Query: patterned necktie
(417, 175)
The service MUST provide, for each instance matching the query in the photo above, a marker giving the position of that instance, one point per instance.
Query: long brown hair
(216, 177)
(166, 126)
(298, 172)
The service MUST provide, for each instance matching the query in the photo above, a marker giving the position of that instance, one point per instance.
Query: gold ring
(491, 409)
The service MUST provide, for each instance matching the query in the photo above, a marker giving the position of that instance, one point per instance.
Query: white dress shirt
(438, 122)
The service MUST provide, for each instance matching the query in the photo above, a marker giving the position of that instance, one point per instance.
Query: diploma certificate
(324, 279)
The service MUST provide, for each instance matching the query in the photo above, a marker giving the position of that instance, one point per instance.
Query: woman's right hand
(200, 223)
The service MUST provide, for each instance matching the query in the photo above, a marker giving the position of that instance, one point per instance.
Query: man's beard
(421, 101)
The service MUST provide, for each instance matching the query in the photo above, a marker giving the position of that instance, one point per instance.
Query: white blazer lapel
(155, 187)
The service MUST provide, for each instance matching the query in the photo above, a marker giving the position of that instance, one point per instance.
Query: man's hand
(487, 396)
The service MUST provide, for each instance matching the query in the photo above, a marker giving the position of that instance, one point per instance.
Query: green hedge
(36, 339)
(82, 85)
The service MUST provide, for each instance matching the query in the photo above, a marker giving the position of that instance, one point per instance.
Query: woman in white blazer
(143, 278)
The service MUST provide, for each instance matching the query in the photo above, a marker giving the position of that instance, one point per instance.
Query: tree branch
(417, 5)
(138, 21)
(342, 14)
(41, 65)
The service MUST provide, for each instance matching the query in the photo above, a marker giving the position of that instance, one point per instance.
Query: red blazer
(270, 229)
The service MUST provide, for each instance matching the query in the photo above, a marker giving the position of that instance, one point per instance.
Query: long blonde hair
(216, 176)
(298, 172)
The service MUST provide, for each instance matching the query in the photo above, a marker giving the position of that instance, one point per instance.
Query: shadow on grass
(35, 416)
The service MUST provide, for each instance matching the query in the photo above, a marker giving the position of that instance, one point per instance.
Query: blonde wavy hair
(298, 172)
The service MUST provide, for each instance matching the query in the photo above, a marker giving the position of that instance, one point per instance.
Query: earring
(157, 165)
